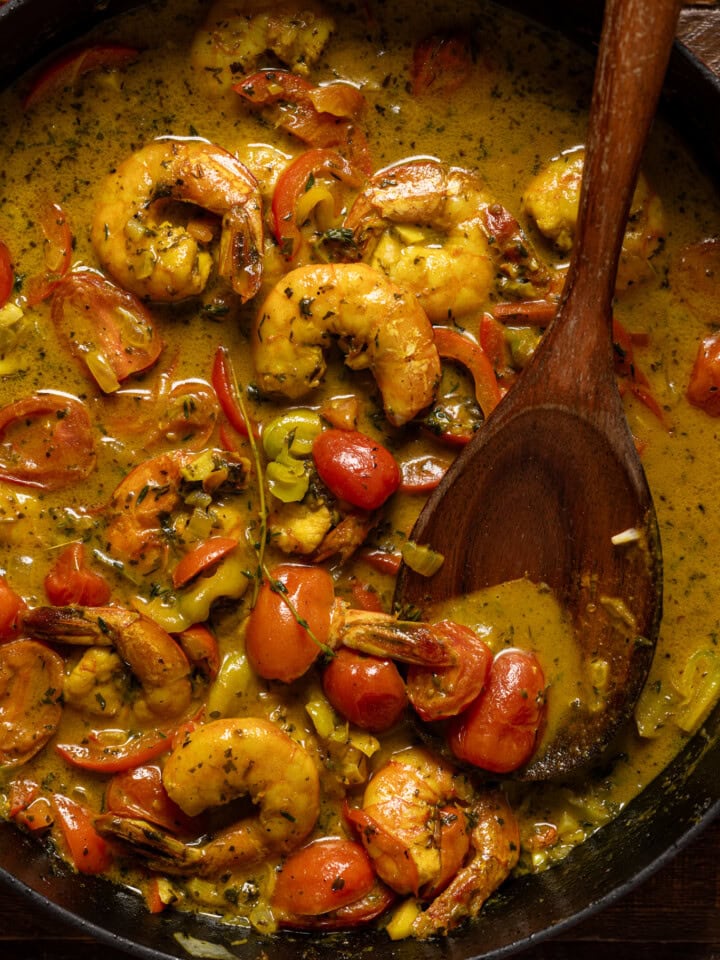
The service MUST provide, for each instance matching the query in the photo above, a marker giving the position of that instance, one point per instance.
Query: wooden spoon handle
(637, 40)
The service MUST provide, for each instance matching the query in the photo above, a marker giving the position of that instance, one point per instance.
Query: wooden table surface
(674, 915)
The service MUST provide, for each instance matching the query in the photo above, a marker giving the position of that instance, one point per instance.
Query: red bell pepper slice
(87, 849)
(223, 381)
(101, 757)
(295, 180)
(452, 345)
(202, 558)
(7, 276)
(57, 253)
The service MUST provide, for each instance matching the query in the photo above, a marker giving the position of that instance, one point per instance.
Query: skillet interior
(666, 816)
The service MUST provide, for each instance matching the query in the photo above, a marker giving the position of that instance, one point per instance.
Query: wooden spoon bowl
(551, 488)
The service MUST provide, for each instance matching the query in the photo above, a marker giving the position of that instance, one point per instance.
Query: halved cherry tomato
(498, 732)
(359, 912)
(107, 328)
(368, 691)
(12, 606)
(445, 692)
(355, 467)
(277, 643)
(441, 64)
(102, 757)
(202, 559)
(87, 849)
(140, 793)
(294, 181)
(704, 388)
(323, 876)
(223, 381)
(452, 345)
(7, 276)
(201, 648)
(67, 70)
(365, 597)
(57, 254)
(46, 441)
(319, 116)
(70, 580)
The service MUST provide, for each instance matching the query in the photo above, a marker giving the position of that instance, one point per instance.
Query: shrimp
(431, 834)
(236, 33)
(220, 762)
(139, 514)
(420, 223)
(31, 689)
(552, 199)
(155, 659)
(381, 325)
(158, 259)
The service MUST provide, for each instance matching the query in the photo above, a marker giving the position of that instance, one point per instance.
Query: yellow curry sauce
(502, 108)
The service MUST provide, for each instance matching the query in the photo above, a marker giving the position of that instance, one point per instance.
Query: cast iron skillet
(667, 815)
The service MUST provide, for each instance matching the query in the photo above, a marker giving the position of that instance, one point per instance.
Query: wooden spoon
(553, 480)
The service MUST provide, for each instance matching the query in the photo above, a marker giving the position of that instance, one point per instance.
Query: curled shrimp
(220, 762)
(379, 325)
(431, 834)
(31, 689)
(236, 33)
(155, 659)
(143, 504)
(552, 199)
(421, 223)
(157, 258)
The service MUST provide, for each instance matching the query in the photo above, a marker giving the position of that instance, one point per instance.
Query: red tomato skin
(71, 581)
(12, 606)
(140, 793)
(444, 692)
(323, 876)
(499, 730)
(368, 691)
(136, 752)
(277, 647)
(356, 468)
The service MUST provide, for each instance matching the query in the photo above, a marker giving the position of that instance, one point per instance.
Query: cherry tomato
(140, 793)
(57, 253)
(46, 441)
(66, 70)
(441, 64)
(368, 691)
(87, 849)
(292, 184)
(444, 692)
(11, 610)
(70, 580)
(7, 276)
(355, 467)
(202, 559)
(324, 116)
(108, 329)
(100, 758)
(323, 876)
(499, 730)
(277, 645)
(704, 388)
